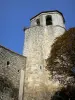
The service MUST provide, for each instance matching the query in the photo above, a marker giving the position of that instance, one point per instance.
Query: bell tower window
(49, 20)
(38, 22)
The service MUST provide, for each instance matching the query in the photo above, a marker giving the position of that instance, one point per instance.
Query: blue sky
(15, 14)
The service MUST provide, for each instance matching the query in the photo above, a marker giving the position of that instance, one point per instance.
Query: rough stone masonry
(11, 64)
(39, 37)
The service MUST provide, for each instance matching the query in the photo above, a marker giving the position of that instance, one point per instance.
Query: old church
(24, 77)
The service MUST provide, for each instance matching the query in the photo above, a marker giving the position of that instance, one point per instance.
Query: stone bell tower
(39, 37)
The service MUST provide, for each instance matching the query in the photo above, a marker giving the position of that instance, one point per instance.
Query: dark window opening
(8, 62)
(49, 20)
(40, 67)
(38, 22)
(18, 70)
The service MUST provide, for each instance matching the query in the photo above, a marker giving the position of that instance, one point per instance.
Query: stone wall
(11, 64)
(37, 46)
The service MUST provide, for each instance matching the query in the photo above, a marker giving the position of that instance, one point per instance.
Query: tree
(61, 62)
(66, 93)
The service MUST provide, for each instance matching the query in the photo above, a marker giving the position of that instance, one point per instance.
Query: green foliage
(62, 57)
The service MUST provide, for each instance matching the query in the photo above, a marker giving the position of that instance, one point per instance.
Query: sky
(16, 14)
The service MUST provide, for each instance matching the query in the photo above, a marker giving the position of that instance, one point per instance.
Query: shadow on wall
(66, 93)
(7, 90)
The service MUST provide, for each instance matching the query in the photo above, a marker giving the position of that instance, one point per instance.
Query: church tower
(39, 37)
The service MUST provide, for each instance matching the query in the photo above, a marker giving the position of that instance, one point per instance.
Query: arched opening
(49, 20)
(38, 22)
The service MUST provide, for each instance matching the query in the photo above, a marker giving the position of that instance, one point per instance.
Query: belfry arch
(48, 20)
